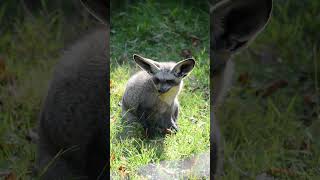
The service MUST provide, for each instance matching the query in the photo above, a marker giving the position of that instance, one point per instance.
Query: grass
(278, 134)
(160, 32)
(28, 61)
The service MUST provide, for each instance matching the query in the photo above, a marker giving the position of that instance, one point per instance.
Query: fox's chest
(169, 97)
(164, 109)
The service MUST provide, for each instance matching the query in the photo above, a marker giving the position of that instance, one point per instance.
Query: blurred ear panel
(237, 22)
(100, 8)
(233, 25)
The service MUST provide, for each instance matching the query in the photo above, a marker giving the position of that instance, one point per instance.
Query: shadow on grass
(194, 167)
(135, 131)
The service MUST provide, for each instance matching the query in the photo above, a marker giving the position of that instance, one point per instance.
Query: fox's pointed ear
(237, 22)
(100, 9)
(184, 67)
(148, 65)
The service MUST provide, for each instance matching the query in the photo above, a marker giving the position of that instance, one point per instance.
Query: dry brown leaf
(272, 88)
(2, 66)
(11, 176)
(310, 99)
(305, 145)
(186, 53)
(244, 78)
(113, 119)
(123, 171)
(112, 157)
(281, 171)
(195, 41)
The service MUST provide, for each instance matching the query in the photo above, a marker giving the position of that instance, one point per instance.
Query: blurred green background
(271, 120)
(33, 34)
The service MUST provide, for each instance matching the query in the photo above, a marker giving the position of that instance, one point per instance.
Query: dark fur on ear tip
(236, 23)
(134, 56)
(193, 61)
(99, 9)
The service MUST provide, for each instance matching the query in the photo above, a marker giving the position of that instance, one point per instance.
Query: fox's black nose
(163, 90)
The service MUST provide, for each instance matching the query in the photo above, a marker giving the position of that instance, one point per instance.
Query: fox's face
(165, 76)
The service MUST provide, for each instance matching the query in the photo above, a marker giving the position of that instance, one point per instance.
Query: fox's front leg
(174, 116)
(223, 69)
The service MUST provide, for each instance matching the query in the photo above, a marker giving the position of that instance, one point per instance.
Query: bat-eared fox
(151, 95)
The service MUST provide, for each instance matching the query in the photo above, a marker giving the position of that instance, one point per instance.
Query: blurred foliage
(31, 41)
(121, 5)
(276, 134)
(12, 10)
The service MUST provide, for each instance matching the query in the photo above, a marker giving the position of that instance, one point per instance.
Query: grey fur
(73, 122)
(74, 113)
(235, 23)
(151, 95)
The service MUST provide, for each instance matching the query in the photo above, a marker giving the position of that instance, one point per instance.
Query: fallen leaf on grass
(310, 109)
(186, 53)
(272, 88)
(310, 99)
(5, 76)
(244, 79)
(123, 171)
(11, 176)
(112, 157)
(305, 145)
(2, 66)
(113, 119)
(281, 171)
(195, 40)
(8, 175)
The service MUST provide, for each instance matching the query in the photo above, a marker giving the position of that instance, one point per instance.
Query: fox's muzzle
(163, 90)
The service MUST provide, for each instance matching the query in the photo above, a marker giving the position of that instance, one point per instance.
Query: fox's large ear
(98, 8)
(237, 22)
(184, 67)
(148, 65)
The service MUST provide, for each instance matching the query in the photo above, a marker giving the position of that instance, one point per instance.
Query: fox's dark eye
(156, 80)
(171, 82)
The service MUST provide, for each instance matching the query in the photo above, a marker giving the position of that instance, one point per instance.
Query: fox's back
(75, 107)
(139, 89)
(82, 72)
